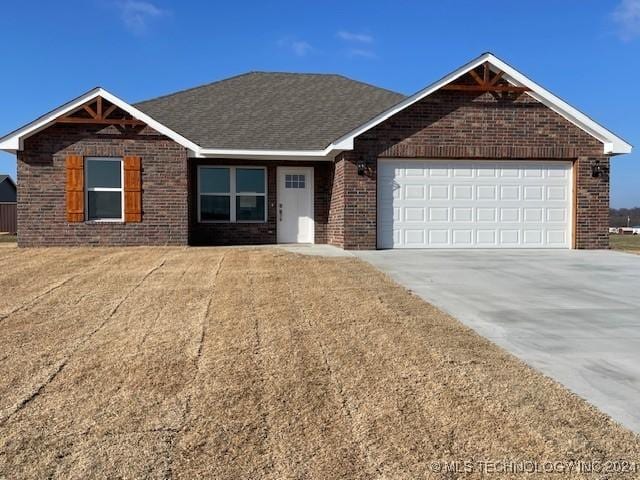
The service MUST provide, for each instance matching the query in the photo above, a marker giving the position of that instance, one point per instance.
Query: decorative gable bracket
(99, 111)
(486, 83)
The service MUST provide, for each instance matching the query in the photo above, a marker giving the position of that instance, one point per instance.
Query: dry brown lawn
(257, 363)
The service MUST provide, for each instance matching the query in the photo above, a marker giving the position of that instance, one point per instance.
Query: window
(232, 194)
(104, 192)
(294, 181)
(215, 195)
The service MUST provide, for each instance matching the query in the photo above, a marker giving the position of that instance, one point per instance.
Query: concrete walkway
(574, 315)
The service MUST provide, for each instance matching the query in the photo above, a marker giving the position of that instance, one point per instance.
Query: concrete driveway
(574, 315)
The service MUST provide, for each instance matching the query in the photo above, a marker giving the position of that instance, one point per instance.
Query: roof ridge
(265, 72)
(373, 86)
(202, 85)
(282, 72)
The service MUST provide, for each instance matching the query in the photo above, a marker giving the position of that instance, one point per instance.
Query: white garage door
(474, 204)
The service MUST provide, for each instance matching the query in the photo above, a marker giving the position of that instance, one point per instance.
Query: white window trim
(88, 189)
(233, 194)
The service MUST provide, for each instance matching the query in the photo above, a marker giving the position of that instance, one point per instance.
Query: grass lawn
(258, 363)
(7, 238)
(629, 243)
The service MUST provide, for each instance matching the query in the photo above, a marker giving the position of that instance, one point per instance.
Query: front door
(295, 205)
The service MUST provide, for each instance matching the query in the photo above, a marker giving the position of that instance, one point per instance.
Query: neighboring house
(8, 216)
(482, 158)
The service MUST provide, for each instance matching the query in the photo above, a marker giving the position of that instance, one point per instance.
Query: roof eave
(327, 154)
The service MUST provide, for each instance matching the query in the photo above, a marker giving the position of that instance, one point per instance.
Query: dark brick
(451, 125)
(42, 180)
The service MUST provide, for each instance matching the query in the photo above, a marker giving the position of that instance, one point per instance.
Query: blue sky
(586, 51)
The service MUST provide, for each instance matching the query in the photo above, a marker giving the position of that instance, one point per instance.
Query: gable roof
(14, 140)
(271, 111)
(612, 143)
(8, 190)
(275, 115)
(8, 179)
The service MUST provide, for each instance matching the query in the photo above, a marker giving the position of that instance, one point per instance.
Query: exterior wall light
(362, 165)
(596, 169)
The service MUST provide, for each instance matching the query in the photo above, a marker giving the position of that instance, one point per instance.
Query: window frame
(233, 194)
(88, 189)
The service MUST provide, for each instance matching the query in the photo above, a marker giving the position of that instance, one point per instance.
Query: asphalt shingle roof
(279, 111)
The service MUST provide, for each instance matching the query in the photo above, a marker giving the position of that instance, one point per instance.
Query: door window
(294, 181)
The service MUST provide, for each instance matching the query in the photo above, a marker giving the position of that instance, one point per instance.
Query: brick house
(482, 158)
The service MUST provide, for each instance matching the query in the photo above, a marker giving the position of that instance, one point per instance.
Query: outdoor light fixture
(362, 165)
(596, 169)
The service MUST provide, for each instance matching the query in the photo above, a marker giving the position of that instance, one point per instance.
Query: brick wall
(42, 180)
(592, 204)
(335, 220)
(453, 125)
(257, 233)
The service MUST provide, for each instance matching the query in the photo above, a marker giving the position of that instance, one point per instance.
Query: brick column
(592, 204)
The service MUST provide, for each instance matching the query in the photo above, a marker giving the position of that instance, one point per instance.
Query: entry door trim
(309, 172)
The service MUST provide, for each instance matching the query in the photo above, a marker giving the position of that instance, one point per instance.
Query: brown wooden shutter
(132, 189)
(75, 188)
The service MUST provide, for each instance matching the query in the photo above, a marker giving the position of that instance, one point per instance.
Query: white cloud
(299, 48)
(354, 37)
(627, 17)
(136, 14)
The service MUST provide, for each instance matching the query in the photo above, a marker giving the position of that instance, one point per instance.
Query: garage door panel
(508, 215)
(474, 204)
(510, 193)
(462, 237)
(556, 237)
(557, 171)
(463, 192)
(557, 193)
(463, 172)
(557, 215)
(414, 237)
(510, 172)
(438, 192)
(462, 214)
(510, 237)
(437, 170)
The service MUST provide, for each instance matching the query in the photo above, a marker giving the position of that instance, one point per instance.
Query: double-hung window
(232, 194)
(103, 189)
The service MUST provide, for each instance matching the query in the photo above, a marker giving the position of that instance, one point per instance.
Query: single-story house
(8, 216)
(482, 158)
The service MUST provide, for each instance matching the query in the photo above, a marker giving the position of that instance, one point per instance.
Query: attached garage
(474, 204)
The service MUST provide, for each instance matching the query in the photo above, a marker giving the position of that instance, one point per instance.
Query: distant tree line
(618, 217)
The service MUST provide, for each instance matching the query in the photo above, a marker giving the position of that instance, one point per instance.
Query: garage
(474, 204)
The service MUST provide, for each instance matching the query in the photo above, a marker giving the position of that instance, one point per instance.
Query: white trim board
(612, 144)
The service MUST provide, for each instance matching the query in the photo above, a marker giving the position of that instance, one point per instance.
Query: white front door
(474, 204)
(295, 205)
